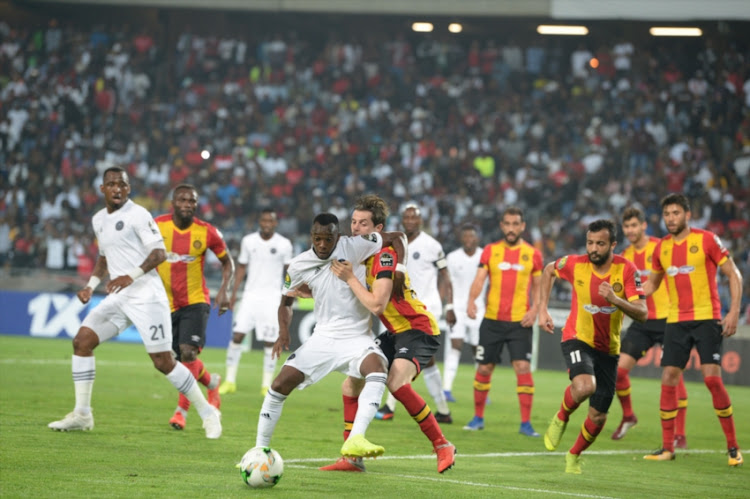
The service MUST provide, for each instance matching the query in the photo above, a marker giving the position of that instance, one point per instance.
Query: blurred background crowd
(305, 116)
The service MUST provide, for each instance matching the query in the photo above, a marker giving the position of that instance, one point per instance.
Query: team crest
(370, 237)
(525, 258)
(415, 255)
(693, 249)
(561, 262)
(648, 258)
(197, 244)
(617, 287)
(386, 260)
(119, 225)
(273, 251)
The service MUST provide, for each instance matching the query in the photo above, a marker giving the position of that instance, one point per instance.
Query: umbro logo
(403, 350)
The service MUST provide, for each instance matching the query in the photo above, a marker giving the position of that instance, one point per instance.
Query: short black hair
(186, 187)
(114, 169)
(467, 227)
(599, 225)
(679, 199)
(325, 219)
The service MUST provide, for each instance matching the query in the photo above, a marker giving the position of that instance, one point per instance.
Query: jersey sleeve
(148, 232)
(656, 260)
(365, 246)
(714, 249)
(216, 242)
(440, 261)
(484, 260)
(537, 263)
(632, 278)
(292, 280)
(564, 267)
(384, 265)
(244, 257)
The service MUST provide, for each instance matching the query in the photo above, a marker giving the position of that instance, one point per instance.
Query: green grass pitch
(133, 452)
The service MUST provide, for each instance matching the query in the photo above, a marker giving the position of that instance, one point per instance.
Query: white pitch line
(510, 454)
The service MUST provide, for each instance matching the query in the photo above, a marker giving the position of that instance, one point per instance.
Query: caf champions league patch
(386, 260)
(370, 237)
(561, 263)
(287, 281)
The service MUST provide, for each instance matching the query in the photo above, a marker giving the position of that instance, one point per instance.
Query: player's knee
(84, 342)
(164, 362)
(238, 337)
(188, 353)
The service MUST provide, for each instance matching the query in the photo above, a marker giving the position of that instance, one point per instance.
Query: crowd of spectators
(462, 126)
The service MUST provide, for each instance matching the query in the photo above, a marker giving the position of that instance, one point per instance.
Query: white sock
(434, 384)
(234, 354)
(246, 344)
(182, 411)
(270, 413)
(390, 401)
(269, 366)
(369, 399)
(84, 372)
(182, 379)
(452, 357)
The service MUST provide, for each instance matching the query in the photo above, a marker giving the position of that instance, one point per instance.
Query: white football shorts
(466, 329)
(260, 315)
(152, 319)
(321, 355)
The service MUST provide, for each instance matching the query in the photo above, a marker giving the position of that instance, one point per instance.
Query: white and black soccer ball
(261, 467)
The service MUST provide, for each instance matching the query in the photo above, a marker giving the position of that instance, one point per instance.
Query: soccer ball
(261, 467)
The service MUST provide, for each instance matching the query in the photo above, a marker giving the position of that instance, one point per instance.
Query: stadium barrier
(59, 315)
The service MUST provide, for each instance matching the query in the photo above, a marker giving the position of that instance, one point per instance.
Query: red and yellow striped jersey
(592, 318)
(657, 303)
(691, 266)
(182, 272)
(404, 314)
(510, 270)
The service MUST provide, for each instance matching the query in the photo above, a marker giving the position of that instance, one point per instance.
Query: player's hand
(222, 302)
(528, 318)
(606, 292)
(450, 317)
(399, 285)
(300, 292)
(342, 269)
(85, 294)
(282, 343)
(729, 324)
(119, 283)
(471, 310)
(232, 302)
(546, 322)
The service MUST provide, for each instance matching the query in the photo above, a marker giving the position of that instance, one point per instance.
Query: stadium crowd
(462, 126)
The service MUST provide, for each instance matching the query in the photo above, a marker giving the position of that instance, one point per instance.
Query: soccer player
(462, 263)
(187, 239)
(411, 337)
(130, 248)
(264, 257)
(690, 257)
(640, 337)
(428, 271)
(605, 287)
(514, 268)
(341, 340)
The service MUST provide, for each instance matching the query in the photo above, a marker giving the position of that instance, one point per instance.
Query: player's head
(324, 234)
(267, 222)
(675, 208)
(184, 203)
(411, 219)
(469, 238)
(369, 215)
(634, 224)
(115, 187)
(601, 238)
(512, 224)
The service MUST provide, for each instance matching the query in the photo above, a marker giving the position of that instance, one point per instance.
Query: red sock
(351, 404)
(668, 413)
(723, 408)
(682, 402)
(589, 431)
(195, 368)
(568, 406)
(420, 411)
(622, 387)
(525, 391)
(481, 390)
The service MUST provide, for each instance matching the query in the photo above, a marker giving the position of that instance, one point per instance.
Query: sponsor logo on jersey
(173, 257)
(510, 266)
(644, 272)
(684, 269)
(119, 225)
(386, 260)
(594, 309)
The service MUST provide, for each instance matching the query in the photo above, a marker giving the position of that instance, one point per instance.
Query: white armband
(93, 282)
(135, 273)
(449, 307)
(400, 267)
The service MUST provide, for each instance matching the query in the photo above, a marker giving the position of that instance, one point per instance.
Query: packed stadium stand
(304, 115)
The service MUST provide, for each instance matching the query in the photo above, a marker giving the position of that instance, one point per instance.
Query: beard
(679, 228)
(598, 259)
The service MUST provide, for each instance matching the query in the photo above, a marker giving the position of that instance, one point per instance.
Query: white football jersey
(265, 262)
(126, 237)
(338, 312)
(426, 257)
(463, 269)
